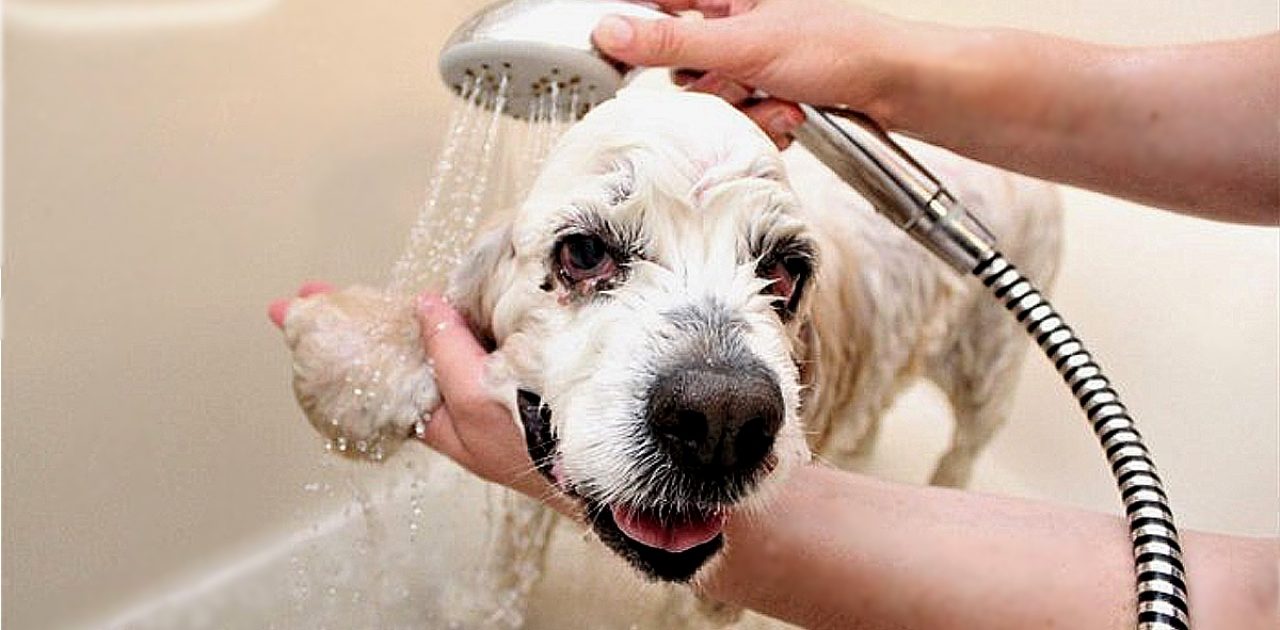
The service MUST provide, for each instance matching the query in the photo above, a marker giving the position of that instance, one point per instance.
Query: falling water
(486, 165)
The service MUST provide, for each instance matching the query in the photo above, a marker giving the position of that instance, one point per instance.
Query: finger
(457, 357)
(684, 42)
(709, 8)
(717, 84)
(685, 76)
(441, 435)
(314, 287)
(778, 119)
(278, 310)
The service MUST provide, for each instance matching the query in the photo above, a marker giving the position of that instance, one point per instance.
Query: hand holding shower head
(532, 48)
(540, 47)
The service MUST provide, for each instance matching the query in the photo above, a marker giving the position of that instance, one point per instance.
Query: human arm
(1192, 128)
(837, 550)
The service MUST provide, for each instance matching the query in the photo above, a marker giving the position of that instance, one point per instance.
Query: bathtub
(172, 165)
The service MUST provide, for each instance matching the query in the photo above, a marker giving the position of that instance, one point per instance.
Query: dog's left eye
(783, 280)
(787, 274)
(584, 257)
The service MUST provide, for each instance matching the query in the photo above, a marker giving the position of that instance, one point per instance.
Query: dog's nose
(716, 422)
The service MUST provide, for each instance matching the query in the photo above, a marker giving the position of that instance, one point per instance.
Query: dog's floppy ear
(804, 348)
(483, 275)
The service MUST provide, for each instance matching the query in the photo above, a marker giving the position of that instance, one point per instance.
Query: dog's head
(649, 299)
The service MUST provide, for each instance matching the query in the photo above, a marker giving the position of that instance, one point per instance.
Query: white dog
(682, 314)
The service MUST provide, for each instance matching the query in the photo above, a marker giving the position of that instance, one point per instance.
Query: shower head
(540, 48)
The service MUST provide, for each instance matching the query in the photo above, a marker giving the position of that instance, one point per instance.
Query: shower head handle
(858, 150)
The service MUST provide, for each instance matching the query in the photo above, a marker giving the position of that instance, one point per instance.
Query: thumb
(456, 356)
(668, 42)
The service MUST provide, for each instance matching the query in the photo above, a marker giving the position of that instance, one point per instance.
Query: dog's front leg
(518, 558)
(359, 370)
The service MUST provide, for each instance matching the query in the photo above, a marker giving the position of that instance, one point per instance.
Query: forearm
(1189, 128)
(841, 551)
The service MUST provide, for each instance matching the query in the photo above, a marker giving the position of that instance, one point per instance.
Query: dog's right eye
(585, 257)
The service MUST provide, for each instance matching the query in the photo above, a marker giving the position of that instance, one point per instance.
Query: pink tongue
(674, 538)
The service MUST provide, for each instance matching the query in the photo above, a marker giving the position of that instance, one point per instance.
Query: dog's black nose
(716, 422)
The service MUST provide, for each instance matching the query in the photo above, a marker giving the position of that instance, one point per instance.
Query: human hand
(824, 52)
(471, 427)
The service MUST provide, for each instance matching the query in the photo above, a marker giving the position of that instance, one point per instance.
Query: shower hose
(1161, 582)
(903, 191)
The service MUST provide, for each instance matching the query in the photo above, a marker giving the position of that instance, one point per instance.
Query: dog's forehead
(673, 150)
(704, 129)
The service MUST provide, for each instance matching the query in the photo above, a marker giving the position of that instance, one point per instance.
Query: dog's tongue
(674, 537)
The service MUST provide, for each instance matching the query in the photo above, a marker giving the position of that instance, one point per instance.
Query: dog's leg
(518, 558)
(870, 435)
(974, 428)
(979, 374)
(850, 438)
(685, 609)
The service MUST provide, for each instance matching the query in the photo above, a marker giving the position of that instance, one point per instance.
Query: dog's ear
(804, 348)
(481, 278)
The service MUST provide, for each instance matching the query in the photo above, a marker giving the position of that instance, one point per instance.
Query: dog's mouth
(672, 533)
(664, 545)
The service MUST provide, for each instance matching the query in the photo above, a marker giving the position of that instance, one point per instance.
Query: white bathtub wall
(171, 165)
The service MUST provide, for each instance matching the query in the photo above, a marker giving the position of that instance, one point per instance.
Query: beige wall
(169, 170)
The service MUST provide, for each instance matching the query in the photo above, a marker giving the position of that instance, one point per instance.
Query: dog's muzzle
(712, 430)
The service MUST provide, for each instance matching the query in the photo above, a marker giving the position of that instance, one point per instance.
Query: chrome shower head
(539, 48)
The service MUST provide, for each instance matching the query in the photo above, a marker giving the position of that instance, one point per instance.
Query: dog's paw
(359, 371)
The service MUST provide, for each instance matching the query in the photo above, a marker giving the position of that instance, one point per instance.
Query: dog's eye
(583, 257)
(783, 280)
(785, 273)
(788, 275)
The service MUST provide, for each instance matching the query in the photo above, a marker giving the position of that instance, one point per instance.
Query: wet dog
(681, 314)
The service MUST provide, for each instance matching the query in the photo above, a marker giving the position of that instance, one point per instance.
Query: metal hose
(1161, 582)
(903, 191)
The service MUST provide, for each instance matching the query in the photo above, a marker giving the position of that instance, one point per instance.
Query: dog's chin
(667, 547)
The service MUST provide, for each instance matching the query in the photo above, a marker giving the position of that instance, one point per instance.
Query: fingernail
(277, 312)
(783, 123)
(614, 32)
(685, 76)
(313, 287)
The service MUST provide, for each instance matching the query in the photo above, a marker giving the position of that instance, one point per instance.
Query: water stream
(486, 164)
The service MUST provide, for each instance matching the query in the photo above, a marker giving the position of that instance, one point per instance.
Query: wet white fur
(696, 197)
(701, 178)
(362, 391)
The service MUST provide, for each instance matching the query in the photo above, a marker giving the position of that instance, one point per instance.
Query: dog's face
(649, 303)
